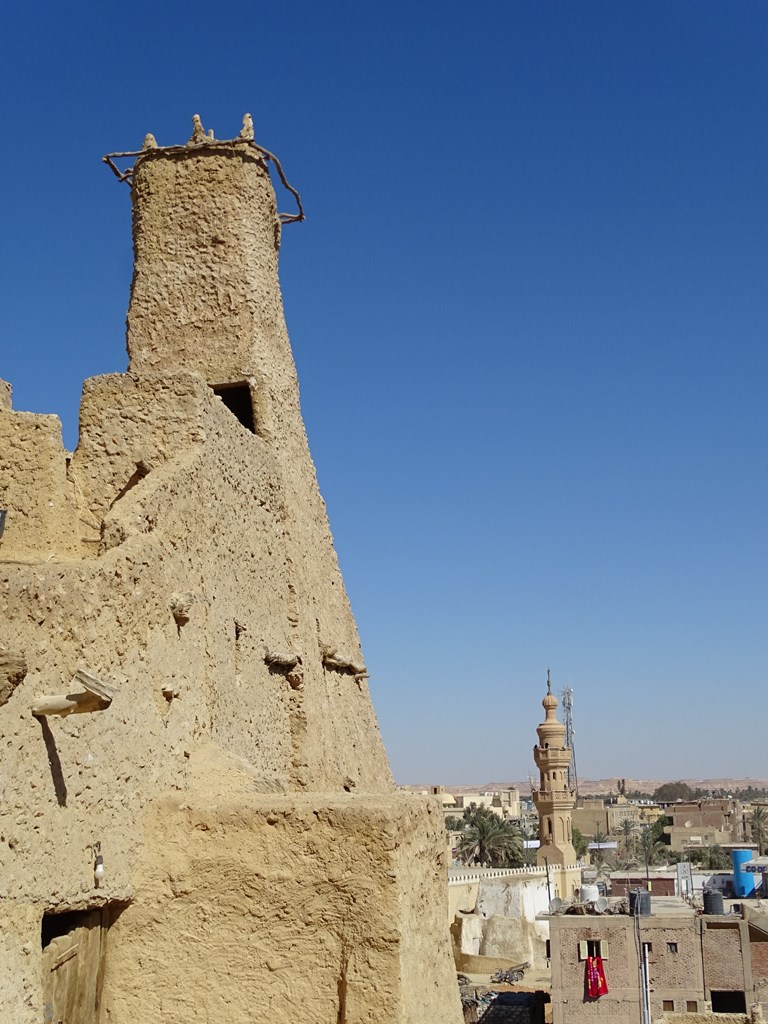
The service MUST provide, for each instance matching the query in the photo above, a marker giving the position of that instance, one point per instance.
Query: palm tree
(652, 850)
(599, 839)
(627, 831)
(490, 840)
(759, 827)
(580, 843)
(625, 863)
(713, 858)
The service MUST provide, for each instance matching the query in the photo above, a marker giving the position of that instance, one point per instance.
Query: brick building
(663, 883)
(696, 964)
(717, 822)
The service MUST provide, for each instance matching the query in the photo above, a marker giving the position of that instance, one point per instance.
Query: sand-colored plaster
(188, 562)
(41, 519)
(283, 902)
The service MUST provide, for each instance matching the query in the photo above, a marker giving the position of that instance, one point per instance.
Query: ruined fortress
(198, 821)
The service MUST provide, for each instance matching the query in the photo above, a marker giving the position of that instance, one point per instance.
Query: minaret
(554, 800)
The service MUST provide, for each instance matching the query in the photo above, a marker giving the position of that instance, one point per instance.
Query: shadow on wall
(54, 761)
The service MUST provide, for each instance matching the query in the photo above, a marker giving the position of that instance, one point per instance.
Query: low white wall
(497, 915)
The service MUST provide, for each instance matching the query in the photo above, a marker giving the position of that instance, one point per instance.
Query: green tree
(657, 829)
(474, 811)
(675, 856)
(652, 850)
(580, 843)
(751, 793)
(598, 854)
(627, 830)
(454, 824)
(491, 840)
(711, 858)
(758, 823)
(669, 792)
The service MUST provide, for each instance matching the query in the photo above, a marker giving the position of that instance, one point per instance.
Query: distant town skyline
(528, 312)
(598, 787)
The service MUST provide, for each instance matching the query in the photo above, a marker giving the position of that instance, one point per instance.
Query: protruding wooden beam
(96, 695)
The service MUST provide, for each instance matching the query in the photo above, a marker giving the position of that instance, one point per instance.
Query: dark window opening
(729, 1002)
(237, 398)
(593, 947)
(671, 947)
(55, 925)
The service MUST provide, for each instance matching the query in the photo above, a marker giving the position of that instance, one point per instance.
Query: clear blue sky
(528, 309)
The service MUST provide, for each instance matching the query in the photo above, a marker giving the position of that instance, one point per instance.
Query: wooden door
(73, 967)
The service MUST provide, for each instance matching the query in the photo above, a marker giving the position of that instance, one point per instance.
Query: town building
(503, 802)
(596, 814)
(714, 822)
(497, 915)
(663, 966)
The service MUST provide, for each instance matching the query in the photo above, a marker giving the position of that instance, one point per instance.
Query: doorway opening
(74, 947)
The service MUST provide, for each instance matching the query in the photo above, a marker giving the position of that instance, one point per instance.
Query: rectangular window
(671, 947)
(668, 1005)
(593, 947)
(728, 1002)
(548, 949)
(691, 1006)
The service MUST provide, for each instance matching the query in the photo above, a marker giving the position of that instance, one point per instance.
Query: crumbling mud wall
(34, 490)
(232, 780)
(319, 906)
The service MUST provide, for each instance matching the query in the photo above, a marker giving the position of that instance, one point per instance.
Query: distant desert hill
(594, 787)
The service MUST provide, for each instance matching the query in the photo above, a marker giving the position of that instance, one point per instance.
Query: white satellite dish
(555, 905)
(600, 905)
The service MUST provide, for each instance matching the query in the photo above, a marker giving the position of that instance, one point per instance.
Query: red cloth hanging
(596, 984)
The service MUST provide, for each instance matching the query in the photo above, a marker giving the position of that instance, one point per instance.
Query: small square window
(668, 1005)
(671, 947)
(237, 398)
(691, 1006)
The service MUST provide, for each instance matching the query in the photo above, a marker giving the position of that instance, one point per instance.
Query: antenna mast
(566, 702)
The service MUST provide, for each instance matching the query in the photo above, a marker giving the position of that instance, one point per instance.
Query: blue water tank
(743, 881)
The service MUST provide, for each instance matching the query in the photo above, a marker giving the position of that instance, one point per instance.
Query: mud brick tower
(198, 820)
